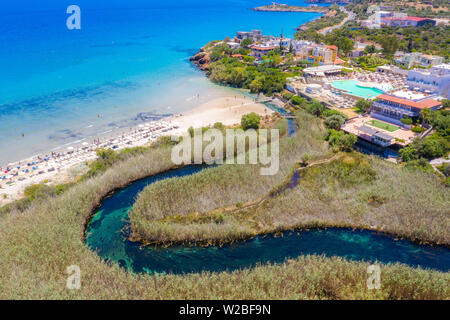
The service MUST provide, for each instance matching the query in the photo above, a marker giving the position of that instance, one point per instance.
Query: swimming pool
(352, 87)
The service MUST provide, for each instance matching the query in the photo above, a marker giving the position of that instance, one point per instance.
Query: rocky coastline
(201, 59)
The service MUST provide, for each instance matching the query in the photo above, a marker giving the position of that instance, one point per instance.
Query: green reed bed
(38, 244)
(365, 192)
(179, 210)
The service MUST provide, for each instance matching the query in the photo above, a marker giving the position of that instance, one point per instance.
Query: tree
(406, 120)
(339, 140)
(408, 153)
(297, 100)
(315, 108)
(432, 148)
(256, 86)
(364, 105)
(421, 164)
(345, 44)
(390, 44)
(250, 121)
(347, 141)
(246, 43)
(334, 122)
(370, 49)
(424, 114)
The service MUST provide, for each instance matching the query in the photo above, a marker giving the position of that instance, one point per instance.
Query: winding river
(107, 233)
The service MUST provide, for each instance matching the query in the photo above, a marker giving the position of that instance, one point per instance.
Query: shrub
(364, 105)
(334, 122)
(417, 129)
(339, 140)
(406, 120)
(246, 43)
(288, 95)
(445, 169)
(419, 164)
(219, 218)
(297, 100)
(408, 153)
(315, 107)
(250, 121)
(330, 112)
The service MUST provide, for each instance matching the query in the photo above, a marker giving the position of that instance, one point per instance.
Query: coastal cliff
(201, 59)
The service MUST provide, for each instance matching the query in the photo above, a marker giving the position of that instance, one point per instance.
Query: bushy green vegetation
(218, 51)
(434, 146)
(340, 141)
(108, 157)
(250, 121)
(337, 38)
(334, 121)
(364, 105)
(36, 192)
(370, 62)
(263, 78)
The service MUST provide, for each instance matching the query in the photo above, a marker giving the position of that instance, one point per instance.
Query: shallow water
(106, 234)
(128, 58)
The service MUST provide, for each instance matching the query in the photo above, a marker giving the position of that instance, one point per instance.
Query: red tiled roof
(339, 61)
(333, 47)
(425, 104)
(417, 19)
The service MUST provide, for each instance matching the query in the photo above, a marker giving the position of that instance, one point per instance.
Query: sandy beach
(227, 110)
(64, 166)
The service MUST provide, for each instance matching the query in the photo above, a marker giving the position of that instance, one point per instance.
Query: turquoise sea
(130, 59)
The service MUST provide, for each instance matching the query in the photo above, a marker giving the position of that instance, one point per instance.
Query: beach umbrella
(70, 148)
(85, 144)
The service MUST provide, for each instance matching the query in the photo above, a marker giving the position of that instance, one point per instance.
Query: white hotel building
(436, 80)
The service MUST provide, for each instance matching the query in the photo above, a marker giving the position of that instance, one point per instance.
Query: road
(350, 16)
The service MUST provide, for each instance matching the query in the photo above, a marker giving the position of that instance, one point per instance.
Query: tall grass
(169, 210)
(366, 192)
(38, 244)
(351, 191)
